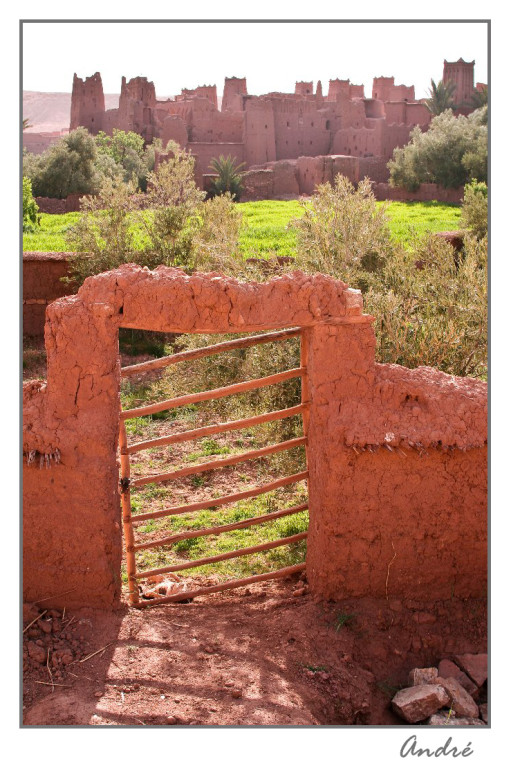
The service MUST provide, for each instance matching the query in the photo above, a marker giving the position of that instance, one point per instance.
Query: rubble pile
(454, 693)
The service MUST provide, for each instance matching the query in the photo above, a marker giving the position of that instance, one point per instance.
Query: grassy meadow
(266, 230)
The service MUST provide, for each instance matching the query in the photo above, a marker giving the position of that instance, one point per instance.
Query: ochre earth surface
(262, 656)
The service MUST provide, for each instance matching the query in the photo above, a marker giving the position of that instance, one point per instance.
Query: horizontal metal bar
(225, 556)
(209, 466)
(212, 394)
(180, 596)
(221, 501)
(215, 429)
(213, 349)
(216, 530)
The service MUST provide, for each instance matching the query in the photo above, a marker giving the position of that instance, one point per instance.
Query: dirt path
(262, 656)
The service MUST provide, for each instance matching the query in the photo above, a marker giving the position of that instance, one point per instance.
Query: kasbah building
(289, 142)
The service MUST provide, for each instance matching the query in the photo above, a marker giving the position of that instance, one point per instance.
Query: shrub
(343, 232)
(179, 229)
(474, 211)
(103, 236)
(216, 241)
(429, 309)
(30, 207)
(450, 153)
(173, 200)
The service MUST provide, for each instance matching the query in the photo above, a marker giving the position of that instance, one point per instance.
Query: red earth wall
(42, 284)
(383, 191)
(363, 498)
(68, 204)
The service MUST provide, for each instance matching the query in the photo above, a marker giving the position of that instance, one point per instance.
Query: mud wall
(383, 191)
(398, 476)
(42, 284)
(396, 457)
(68, 204)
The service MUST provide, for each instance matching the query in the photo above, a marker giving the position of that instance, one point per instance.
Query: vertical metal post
(131, 566)
(304, 354)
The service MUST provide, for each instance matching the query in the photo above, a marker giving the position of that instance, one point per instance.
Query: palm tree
(229, 177)
(26, 124)
(441, 97)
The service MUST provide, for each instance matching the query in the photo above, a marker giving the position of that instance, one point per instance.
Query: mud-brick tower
(87, 103)
(461, 73)
(234, 90)
(304, 88)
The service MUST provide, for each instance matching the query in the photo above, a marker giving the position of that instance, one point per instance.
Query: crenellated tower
(87, 103)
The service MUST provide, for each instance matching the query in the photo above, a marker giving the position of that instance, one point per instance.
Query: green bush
(177, 229)
(429, 309)
(474, 211)
(343, 232)
(30, 207)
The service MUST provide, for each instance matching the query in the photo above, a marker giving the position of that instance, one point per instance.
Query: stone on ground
(475, 665)
(448, 668)
(424, 676)
(460, 701)
(419, 702)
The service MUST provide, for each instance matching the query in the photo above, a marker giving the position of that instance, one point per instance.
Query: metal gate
(130, 521)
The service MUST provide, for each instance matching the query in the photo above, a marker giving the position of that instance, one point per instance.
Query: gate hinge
(124, 484)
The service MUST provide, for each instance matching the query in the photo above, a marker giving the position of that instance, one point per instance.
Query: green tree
(440, 97)
(451, 152)
(229, 178)
(65, 168)
(30, 207)
(479, 98)
(128, 152)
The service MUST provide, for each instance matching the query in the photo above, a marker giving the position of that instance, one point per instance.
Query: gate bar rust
(180, 596)
(212, 394)
(221, 500)
(220, 528)
(225, 556)
(218, 463)
(215, 429)
(213, 349)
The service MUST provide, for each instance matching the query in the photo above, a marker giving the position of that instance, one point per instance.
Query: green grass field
(266, 229)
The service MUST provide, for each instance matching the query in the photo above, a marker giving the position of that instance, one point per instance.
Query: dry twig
(60, 685)
(85, 658)
(388, 572)
(33, 621)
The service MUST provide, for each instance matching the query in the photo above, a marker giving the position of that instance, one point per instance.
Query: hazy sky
(271, 56)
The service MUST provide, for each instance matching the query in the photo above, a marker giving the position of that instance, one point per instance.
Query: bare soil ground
(260, 656)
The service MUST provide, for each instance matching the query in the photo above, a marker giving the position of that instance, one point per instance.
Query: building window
(327, 125)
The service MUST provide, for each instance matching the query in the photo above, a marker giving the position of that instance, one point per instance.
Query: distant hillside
(51, 111)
